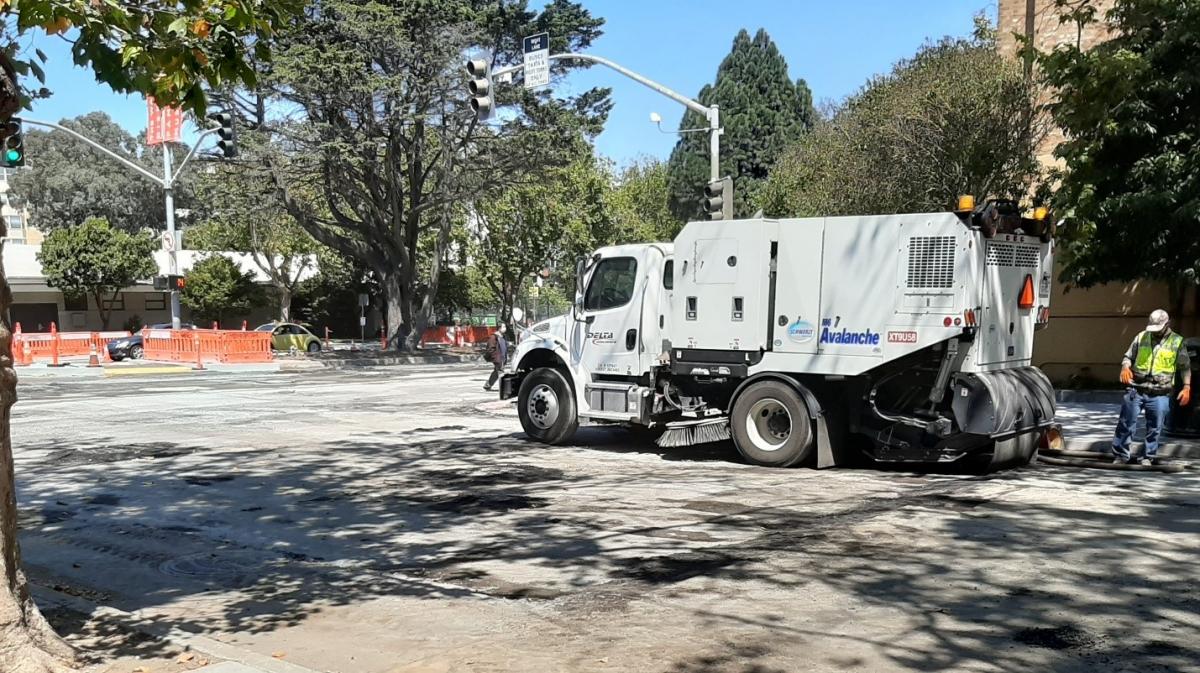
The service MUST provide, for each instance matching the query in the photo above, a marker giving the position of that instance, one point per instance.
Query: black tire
(314, 347)
(136, 352)
(758, 417)
(546, 389)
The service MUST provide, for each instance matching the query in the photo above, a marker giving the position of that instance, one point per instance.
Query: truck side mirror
(577, 306)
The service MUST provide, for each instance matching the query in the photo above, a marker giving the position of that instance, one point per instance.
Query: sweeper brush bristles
(690, 433)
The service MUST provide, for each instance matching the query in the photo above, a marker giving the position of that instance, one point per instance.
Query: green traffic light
(12, 155)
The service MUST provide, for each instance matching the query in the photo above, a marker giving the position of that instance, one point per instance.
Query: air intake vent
(931, 262)
(1007, 254)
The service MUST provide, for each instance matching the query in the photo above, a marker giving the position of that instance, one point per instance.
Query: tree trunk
(395, 305)
(285, 304)
(27, 643)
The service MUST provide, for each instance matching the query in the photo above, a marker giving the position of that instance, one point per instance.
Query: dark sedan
(131, 346)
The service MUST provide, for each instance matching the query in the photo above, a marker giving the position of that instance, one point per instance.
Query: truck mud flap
(1004, 403)
(510, 384)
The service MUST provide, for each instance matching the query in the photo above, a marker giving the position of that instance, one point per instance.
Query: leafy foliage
(1130, 110)
(167, 50)
(217, 288)
(957, 118)
(97, 260)
(534, 226)
(385, 138)
(762, 111)
(640, 203)
(70, 181)
(245, 215)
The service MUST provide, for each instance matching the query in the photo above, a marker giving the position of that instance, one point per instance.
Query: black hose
(1103, 464)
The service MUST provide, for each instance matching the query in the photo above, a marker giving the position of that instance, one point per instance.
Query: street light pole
(172, 258)
(167, 182)
(710, 112)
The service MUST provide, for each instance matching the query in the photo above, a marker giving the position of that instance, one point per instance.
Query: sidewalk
(77, 367)
(1089, 425)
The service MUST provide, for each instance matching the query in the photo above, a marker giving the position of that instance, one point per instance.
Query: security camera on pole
(536, 65)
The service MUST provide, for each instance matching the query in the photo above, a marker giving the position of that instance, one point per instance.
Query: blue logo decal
(801, 331)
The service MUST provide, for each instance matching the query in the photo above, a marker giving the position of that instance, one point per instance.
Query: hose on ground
(1101, 461)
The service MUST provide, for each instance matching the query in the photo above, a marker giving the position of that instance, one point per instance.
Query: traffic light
(171, 283)
(14, 144)
(481, 88)
(718, 199)
(227, 142)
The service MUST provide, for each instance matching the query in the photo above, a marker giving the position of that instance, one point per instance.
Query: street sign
(364, 299)
(168, 241)
(163, 125)
(537, 60)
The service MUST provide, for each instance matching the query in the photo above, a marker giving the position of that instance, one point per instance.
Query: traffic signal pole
(167, 182)
(711, 113)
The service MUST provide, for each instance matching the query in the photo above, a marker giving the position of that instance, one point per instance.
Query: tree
(1130, 182)
(70, 181)
(385, 138)
(247, 216)
(532, 226)
(762, 111)
(96, 260)
(167, 50)
(956, 118)
(217, 288)
(640, 203)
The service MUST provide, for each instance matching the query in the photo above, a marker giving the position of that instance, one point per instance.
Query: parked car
(288, 335)
(131, 346)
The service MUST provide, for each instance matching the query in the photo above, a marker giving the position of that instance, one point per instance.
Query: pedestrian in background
(497, 354)
(1148, 370)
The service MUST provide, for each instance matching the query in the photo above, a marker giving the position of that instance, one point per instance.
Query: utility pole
(167, 182)
(172, 255)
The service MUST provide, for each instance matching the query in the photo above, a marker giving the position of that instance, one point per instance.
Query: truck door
(1012, 293)
(606, 340)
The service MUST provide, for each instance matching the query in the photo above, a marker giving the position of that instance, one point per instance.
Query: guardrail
(53, 345)
(206, 345)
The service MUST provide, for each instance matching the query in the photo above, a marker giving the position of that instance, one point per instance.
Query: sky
(834, 45)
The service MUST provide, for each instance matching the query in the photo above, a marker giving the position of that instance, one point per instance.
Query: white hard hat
(1158, 321)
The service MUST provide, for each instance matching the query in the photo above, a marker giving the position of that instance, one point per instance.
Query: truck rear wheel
(546, 406)
(771, 426)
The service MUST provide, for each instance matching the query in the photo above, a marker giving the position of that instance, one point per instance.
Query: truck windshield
(612, 284)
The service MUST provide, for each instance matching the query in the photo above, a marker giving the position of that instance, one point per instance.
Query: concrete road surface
(396, 520)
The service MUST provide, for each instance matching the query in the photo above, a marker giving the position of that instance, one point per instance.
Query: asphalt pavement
(394, 519)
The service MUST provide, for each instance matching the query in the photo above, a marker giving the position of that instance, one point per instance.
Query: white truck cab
(905, 337)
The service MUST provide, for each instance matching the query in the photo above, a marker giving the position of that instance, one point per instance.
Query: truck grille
(931, 261)
(1007, 254)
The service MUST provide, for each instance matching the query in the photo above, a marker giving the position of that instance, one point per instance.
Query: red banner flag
(163, 125)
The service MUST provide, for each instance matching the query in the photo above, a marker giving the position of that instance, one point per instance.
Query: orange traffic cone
(93, 357)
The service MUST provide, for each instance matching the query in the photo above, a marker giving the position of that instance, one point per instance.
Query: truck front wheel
(771, 425)
(546, 406)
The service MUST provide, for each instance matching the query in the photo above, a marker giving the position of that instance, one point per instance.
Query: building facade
(1089, 329)
(16, 220)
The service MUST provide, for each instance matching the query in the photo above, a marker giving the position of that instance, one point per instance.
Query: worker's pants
(497, 370)
(1156, 408)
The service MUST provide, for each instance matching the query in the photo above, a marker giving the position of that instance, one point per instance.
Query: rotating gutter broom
(690, 433)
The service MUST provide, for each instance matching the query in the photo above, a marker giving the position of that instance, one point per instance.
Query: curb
(391, 360)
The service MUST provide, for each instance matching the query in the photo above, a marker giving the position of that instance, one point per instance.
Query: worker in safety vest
(1148, 370)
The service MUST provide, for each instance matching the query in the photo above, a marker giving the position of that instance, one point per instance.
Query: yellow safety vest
(1161, 363)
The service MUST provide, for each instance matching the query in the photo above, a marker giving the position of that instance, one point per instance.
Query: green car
(286, 336)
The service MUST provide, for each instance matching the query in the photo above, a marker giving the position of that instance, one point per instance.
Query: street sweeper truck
(904, 338)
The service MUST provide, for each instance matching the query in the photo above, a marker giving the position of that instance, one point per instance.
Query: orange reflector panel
(1026, 298)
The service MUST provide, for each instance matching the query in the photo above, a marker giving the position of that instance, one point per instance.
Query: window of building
(156, 301)
(117, 304)
(75, 302)
(612, 284)
(16, 227)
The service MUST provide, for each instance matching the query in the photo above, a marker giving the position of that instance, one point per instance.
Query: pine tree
(762, 111)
